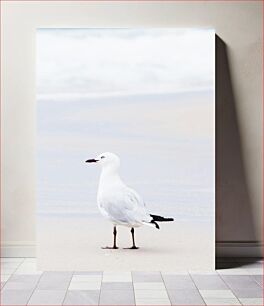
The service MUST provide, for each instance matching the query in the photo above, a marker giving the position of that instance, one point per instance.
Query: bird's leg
(134, 247)
(133, 238)
(115, 232)
(114, 246)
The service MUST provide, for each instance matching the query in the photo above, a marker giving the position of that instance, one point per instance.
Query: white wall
(239, 105)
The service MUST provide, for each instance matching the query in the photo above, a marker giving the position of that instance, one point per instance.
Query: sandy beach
(75, 244)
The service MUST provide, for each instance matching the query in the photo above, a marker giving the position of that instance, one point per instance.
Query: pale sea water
(170, 165)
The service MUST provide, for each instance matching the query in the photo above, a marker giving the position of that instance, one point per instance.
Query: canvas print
(125, 149)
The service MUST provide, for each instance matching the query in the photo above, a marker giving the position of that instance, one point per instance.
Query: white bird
(119, 203)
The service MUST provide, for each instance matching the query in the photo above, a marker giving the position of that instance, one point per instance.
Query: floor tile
(222, 301)
(28, 268)
(5, 277)
(117, 297)
(8, 270)
(54, 281)
(22, 282)
(25, 278)
(258, 279)
(85, 286)
(209, 282)
(12, 265)
(15, 297)
(178, 282)
(117, 277)
(86, 278)
(185, 297)
(153, 294)
(235, 271)
(87, 297)
(47, 297)
(19, 286)
(161, 302)
(146, 277)
(254, 271)
(149, 286)
(244, 279)
(117, 286)
(217, 294)
(248, 293)
(252, 301)
(28, 265)
(240, 282)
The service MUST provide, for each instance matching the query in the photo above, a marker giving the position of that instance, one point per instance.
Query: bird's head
(106, 159)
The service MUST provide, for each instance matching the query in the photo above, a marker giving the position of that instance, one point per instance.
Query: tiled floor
(235, 282)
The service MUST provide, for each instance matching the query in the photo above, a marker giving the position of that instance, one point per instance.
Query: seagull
(117, 202)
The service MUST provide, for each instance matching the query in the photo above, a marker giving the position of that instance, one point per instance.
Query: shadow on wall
(234, 216)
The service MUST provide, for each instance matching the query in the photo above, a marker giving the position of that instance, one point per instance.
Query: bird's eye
(102, 157)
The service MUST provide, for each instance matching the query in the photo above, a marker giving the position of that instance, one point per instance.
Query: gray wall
(238, 97)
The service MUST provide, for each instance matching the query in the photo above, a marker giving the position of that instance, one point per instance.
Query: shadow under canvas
(234, 209)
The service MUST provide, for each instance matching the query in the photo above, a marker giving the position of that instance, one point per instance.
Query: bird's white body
(117, 202)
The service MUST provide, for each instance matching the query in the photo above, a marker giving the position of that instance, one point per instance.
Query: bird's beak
(91, 160)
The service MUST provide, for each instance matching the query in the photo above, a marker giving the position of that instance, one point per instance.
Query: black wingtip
(160, 218)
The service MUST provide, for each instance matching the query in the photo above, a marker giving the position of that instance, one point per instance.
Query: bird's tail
(156, 219)
(160, 219)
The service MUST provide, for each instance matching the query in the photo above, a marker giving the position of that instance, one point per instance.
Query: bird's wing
(125, 205)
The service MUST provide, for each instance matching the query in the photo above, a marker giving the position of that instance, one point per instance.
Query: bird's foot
(132, 248)
(110, 248)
